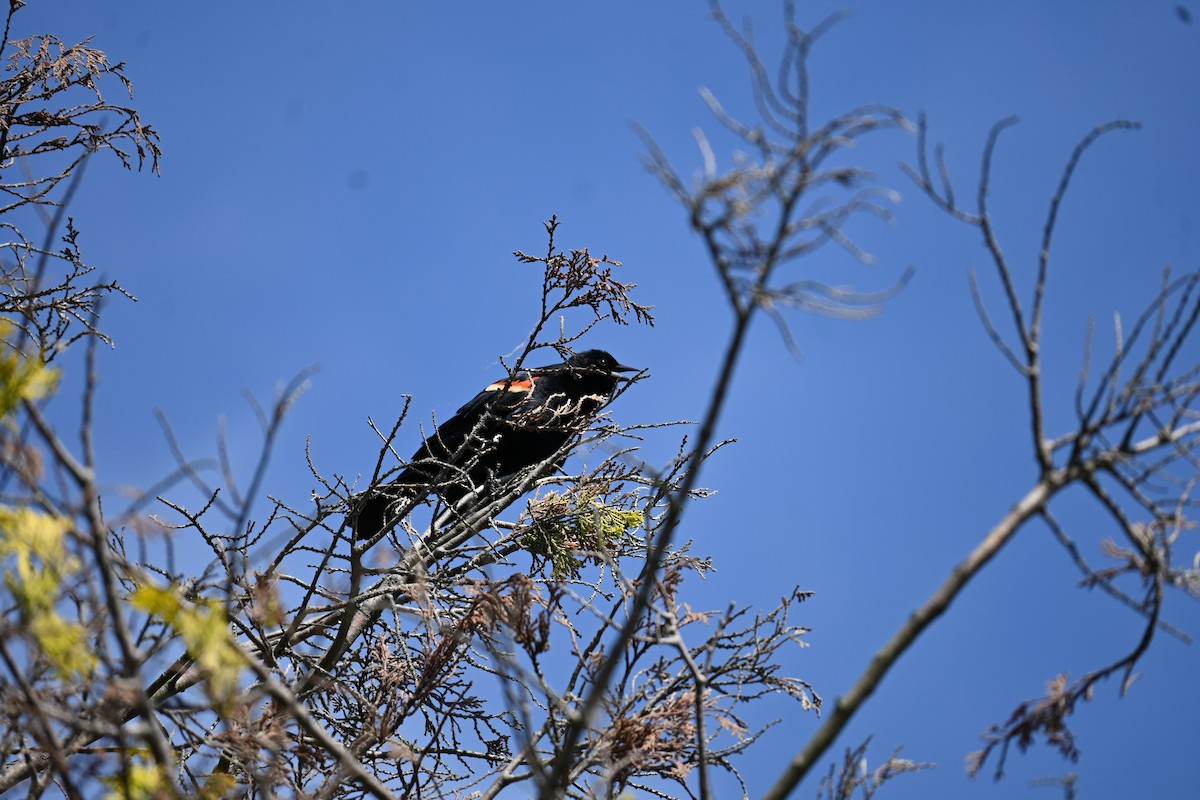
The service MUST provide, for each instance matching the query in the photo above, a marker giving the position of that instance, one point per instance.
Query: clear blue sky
(343, 185)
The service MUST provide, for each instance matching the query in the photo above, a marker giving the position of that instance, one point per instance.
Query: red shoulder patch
(518, 385)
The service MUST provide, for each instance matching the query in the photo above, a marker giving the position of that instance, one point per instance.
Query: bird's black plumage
(510, 426)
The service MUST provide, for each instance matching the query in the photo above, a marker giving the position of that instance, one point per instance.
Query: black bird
(512, 425)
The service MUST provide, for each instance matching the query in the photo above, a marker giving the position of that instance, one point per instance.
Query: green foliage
(570, 524)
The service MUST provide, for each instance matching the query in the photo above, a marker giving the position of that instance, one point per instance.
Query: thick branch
(1030, 505)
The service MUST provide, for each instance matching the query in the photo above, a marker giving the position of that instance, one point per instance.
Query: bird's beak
(619, 368)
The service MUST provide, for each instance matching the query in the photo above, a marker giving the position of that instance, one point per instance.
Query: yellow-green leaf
(204, 629)
(36, 563)
(141, 782)
(158, 601)
(64, 644)
(22, 376)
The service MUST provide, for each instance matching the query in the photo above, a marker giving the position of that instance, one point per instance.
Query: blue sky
(343, 186)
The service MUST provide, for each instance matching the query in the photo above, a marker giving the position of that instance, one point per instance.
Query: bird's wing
(499, 398)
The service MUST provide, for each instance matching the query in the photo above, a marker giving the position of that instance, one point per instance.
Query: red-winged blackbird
(512, 425)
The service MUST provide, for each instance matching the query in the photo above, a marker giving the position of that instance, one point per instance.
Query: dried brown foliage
(53, 116)
(853, 777)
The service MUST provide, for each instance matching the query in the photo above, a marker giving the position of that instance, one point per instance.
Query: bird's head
(598, 361)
